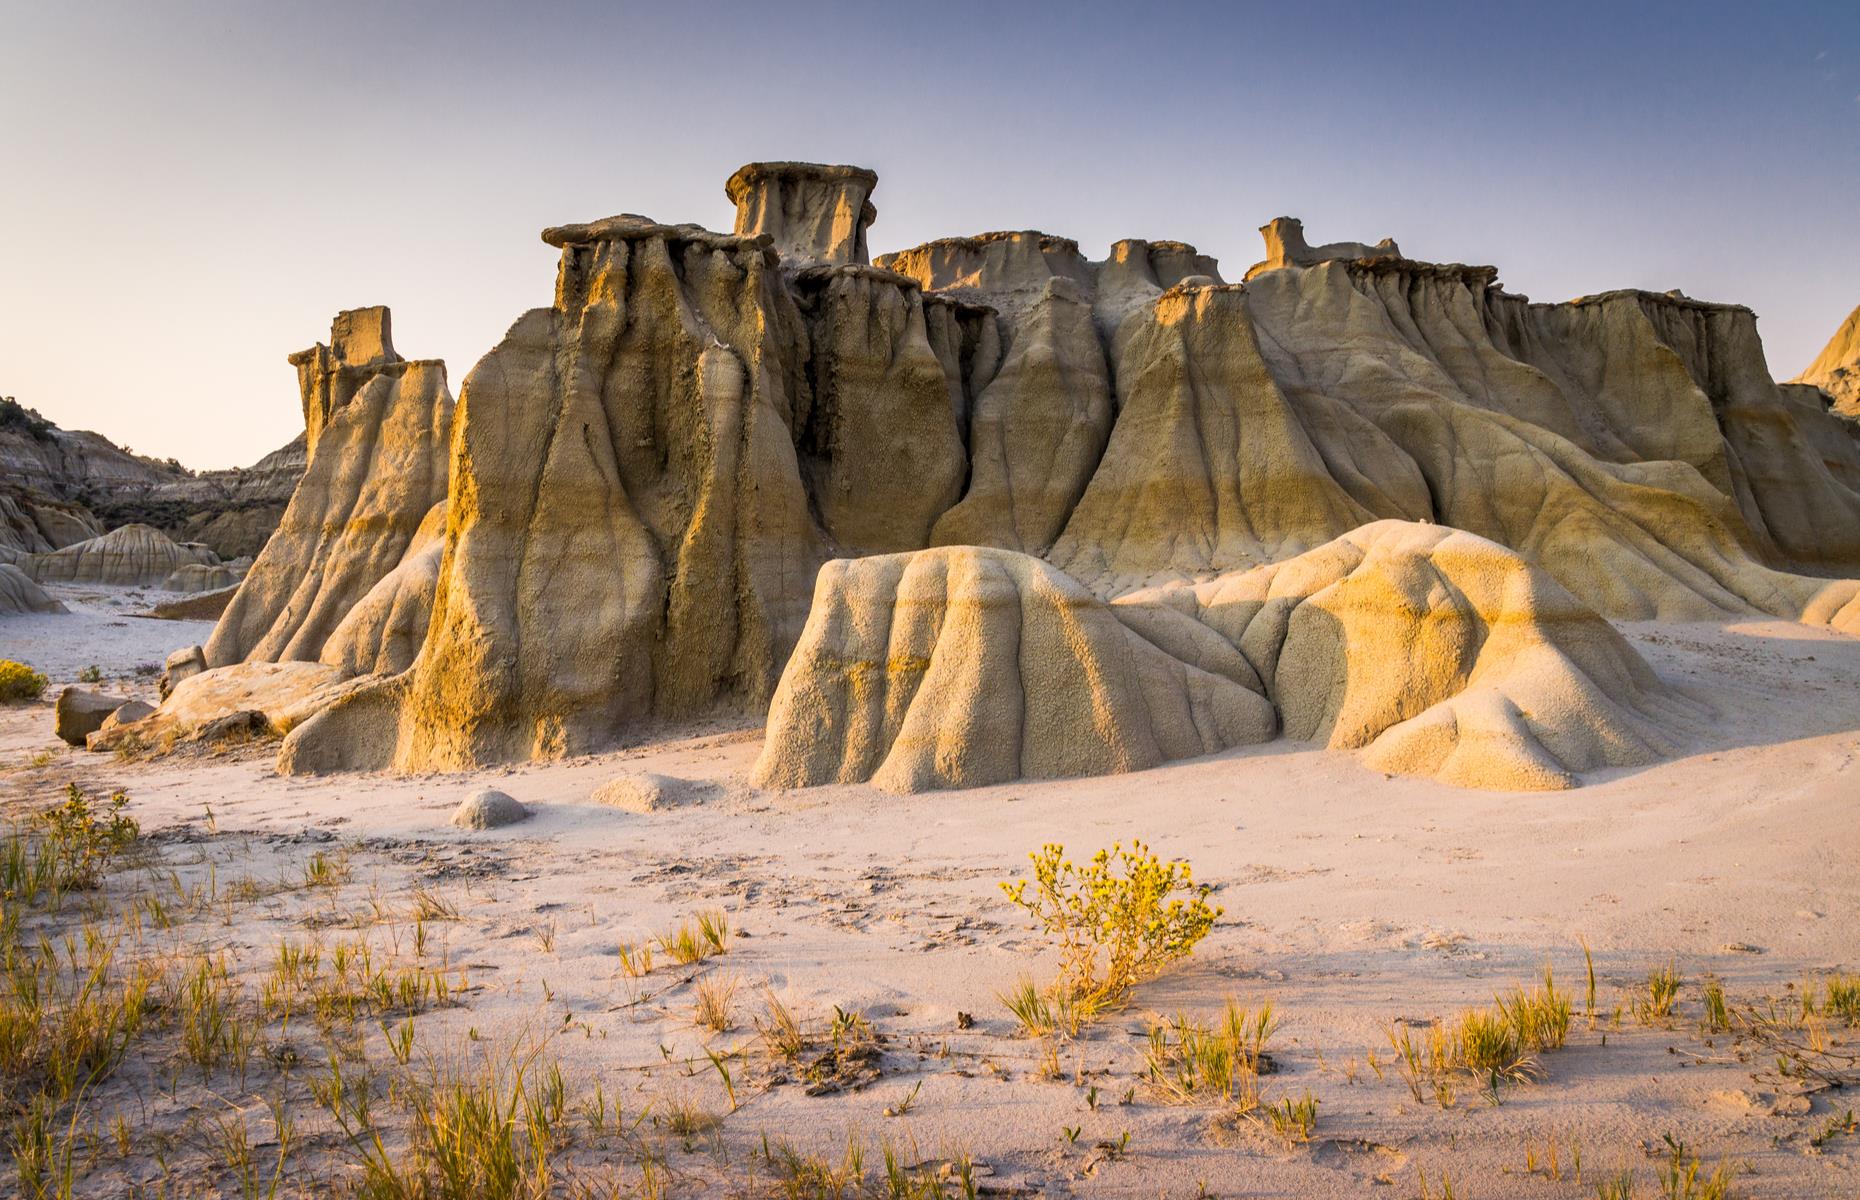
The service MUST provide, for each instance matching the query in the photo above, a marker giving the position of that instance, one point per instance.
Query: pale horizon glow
(192, 189)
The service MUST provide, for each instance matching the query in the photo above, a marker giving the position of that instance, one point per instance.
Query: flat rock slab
(79, 713)
(488, 808)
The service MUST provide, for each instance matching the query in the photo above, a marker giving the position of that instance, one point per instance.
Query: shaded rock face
(32, 524)
(382, 633)
(647, 474)
(377, 466)
(77, 714)
(129, 556)
(876, 430)
(1836, 370)
(19, 593)
(202, 577)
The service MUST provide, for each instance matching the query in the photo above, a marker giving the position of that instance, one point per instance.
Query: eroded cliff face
(648, 474)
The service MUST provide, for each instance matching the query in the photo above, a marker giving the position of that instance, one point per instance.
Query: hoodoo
(377, 428)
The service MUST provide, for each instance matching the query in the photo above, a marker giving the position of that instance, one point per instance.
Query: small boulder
(182, 664)
(488, 808)
(79, 713)
(125, 714)
(642, 792)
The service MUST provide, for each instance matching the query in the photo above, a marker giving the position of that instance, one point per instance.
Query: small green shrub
(19, 682)
(1120, 919)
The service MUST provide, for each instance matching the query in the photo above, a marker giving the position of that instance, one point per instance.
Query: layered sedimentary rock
(20, 594)
(74, 484)
(628, 535)
(963, 666)
(1631, 444)
(202, 577)
(129, 556)
(378, 428)
(1209, 467)
(1836, 370)
(32, 524)
(648, 473)
(1443, 653)
(875, 429)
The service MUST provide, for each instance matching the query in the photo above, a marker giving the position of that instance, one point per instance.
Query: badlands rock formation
(1836, 370)
(963, 666)
(1069, 488)
(377, 428)
(61, 486)
(30, 523)
(129, 556)
(19, 593)
(1443, 653)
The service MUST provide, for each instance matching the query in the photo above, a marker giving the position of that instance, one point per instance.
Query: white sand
(1351, 900)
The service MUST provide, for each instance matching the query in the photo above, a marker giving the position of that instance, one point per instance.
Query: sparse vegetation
(1654, 1001)
(19, 682)
(715, 1003)
(1120, 919)
(1684, 1177)
(1291, 1119)
(1188, 1061)
(1540, 1016)
(1717, 1013)
(691, 942)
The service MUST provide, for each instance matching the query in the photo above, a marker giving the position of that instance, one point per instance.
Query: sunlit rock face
(378, 429)
(629, 535)
(1836, 370)
(1286, 247)
(1444, 654)
(647, 475)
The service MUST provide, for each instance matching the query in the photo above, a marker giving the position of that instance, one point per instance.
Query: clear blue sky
(189, 190)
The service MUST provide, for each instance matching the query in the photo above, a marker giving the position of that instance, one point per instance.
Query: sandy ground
(1352, 901)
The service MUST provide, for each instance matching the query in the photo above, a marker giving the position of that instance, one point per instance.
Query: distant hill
(59, 486)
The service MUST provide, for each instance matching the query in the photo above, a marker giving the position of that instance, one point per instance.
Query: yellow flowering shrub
(1120, 919)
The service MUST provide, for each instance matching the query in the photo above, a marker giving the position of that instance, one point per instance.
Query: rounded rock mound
(962, 666)
(488, 808)
(126, 557)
